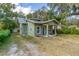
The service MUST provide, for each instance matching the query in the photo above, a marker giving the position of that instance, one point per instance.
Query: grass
(5, 45)
(58, 46)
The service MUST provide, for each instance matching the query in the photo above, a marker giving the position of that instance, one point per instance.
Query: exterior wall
(23, 29)
(31, 29)
(20, 28)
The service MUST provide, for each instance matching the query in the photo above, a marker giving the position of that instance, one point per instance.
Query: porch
(45, 30)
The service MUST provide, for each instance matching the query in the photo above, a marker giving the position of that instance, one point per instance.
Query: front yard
(32, 46)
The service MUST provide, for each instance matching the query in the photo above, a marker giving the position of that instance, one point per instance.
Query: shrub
(2, 25)
(64, 30)
(67, 30)
(74, 30)
(4, 34)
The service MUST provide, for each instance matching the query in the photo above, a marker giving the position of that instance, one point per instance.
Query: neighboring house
(37, 27)
(73, 20)
(73, 17)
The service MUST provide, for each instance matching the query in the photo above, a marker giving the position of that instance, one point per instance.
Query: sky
(28, 7)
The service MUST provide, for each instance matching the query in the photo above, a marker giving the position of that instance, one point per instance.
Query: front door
(38, 30)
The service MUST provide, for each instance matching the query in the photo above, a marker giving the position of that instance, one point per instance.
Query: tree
(40, 14)
(8, 23)
(58, 11)
(29, 16)
(6, 9)
(74, 7)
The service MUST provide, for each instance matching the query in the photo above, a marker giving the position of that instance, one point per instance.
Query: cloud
(48, 8)
(25, 10)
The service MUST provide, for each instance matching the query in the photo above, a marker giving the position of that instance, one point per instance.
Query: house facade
(37, 27)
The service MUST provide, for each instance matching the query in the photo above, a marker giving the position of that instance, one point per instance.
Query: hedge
(4, 34)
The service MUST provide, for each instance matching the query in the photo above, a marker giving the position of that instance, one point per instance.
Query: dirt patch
(67, 45)
(12, 50)
(32, 50)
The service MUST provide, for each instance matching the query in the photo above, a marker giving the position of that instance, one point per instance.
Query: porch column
(20, 28)
(55, 30)
(47, 31)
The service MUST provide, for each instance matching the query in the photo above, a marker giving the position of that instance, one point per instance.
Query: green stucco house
(37, 27)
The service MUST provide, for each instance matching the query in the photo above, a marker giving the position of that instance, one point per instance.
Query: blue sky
(34, 6)
(27, 8)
